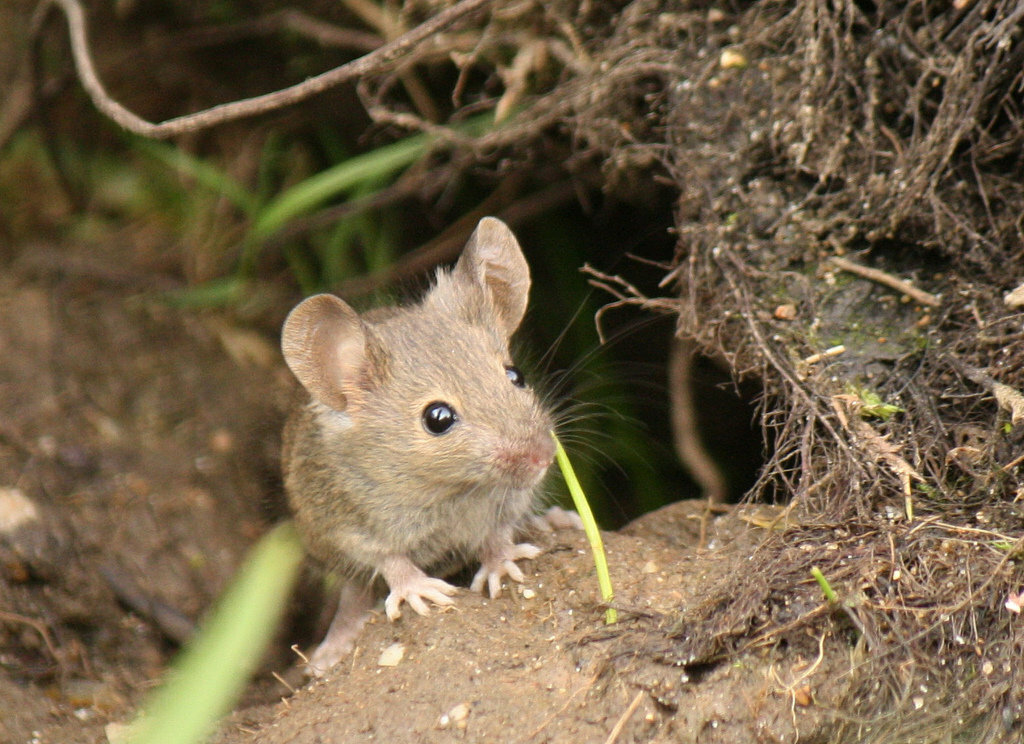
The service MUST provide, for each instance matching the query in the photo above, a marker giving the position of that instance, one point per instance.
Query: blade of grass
(214, 293)
(211, 672)
(579, 499)
(374, 165)
(202, 172)
(826, 588)
(377, 165)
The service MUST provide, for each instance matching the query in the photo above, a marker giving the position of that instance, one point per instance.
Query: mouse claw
(499, 562)
(409, 584)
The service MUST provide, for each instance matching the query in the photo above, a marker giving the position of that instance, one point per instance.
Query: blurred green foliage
(612, 399)
(208, 677)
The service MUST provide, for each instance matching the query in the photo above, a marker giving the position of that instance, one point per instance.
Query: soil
(139, 448)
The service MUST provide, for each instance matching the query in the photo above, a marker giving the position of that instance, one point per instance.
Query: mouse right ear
(324, 344)
(493, 261)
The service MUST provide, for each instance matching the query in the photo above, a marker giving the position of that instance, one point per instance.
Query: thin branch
(371, 62)
(918, 295)
(289, 19)
(626, 295)
(613, 736)
(1008, 398)
(38, 626)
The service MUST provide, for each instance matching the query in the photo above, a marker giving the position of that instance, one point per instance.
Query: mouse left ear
(325, 345)
(493, 260)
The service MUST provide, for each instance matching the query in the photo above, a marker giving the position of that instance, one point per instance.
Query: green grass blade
(375, 165)
(826, 588)
(213, 293)
(202, 172)
(209, 675)
(579, 499)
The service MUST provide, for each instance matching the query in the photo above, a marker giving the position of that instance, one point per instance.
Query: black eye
(515, 376)
(439, 417)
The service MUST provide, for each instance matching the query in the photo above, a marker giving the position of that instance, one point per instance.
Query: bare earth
(145, 439)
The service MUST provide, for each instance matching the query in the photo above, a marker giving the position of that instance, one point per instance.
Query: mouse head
(336, 355)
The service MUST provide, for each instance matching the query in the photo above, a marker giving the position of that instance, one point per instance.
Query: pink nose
(542, 452)
(530, 461)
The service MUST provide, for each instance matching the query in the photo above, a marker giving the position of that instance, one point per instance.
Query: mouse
(418, 446)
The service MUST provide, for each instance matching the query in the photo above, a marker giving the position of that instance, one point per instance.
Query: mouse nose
(544, 452)
(526, 462)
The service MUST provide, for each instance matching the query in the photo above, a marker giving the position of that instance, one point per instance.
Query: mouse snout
(525, 462)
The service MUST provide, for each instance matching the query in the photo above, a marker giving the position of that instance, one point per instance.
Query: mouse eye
(515, 376)
(439, 417)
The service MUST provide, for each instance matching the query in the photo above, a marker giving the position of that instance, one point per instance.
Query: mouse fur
(374, 492)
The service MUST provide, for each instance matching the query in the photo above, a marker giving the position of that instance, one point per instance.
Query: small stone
(222, 442)
(392, 655)
(118, 732)
(785, 312)
(1013, 602)
(1015, 298)
(802, 696)
(732, 58)
(456, 716)
(16, 510)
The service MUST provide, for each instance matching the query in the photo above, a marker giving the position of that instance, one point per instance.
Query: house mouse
(420, 447)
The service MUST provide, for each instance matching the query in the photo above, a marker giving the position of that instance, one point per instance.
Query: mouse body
(419, 446)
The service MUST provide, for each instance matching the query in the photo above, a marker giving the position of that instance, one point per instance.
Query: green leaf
(214, 293)
(376, 165)
(826, 588)
(579, 500)
(210, 674)
(202, 172)
(872, 405)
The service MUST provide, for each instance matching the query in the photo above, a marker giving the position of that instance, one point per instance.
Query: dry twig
(847, 408)
(1008, 398)
(374, 61)
(875, 275)
(624, 718)
(626, 295)
(36, 625)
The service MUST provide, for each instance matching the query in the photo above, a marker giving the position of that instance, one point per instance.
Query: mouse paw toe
(499, 562)
(417, 591)
(558, 518)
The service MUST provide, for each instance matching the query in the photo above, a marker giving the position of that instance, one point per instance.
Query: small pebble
(16, 509)
(456, 715)
(785, 312)
(730, 58)
(392, 655)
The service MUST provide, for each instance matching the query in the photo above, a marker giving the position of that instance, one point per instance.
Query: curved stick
(249, 106)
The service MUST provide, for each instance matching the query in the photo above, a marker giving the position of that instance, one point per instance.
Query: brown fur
(367, 480)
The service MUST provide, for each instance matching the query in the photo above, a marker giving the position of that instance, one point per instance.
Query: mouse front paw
(497, 560)
(409, 584)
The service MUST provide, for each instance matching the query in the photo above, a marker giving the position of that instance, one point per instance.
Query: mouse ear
(493, 260)
(324, 344)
